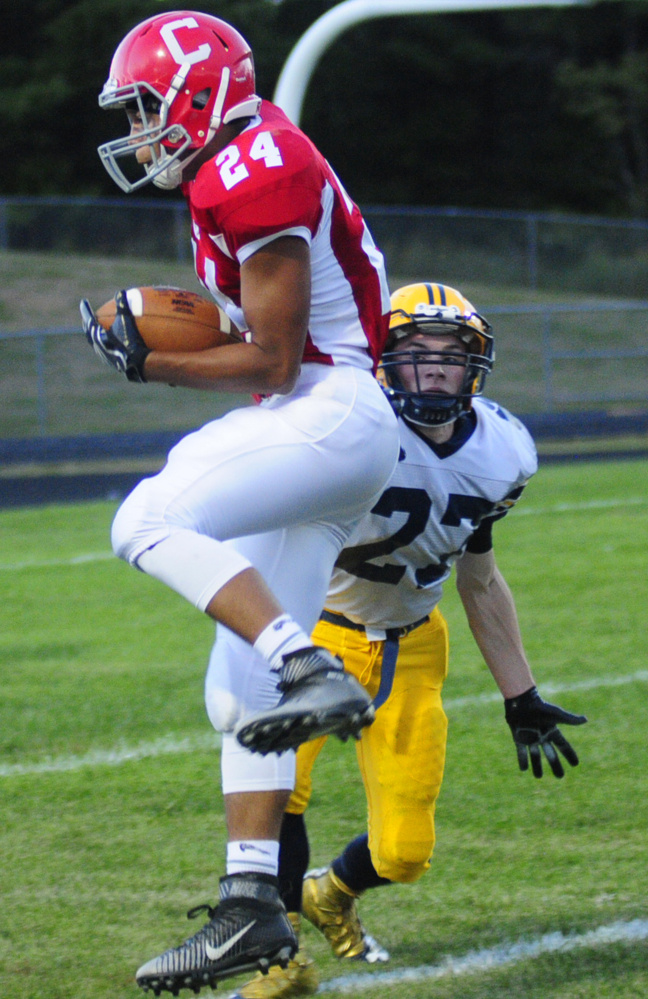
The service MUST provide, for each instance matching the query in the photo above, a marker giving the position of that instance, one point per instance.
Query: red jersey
(271, 181)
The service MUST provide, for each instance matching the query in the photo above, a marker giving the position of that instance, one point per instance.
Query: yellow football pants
(402, 755)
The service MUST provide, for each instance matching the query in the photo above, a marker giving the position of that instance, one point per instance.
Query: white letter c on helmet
(181, 57)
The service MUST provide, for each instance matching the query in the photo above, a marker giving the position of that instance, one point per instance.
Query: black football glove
(534, 725)
(122, 345)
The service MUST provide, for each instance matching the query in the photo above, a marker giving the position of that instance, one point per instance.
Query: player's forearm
(492, 617)
(240, 367)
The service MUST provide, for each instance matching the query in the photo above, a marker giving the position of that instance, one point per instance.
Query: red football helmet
(181, 75)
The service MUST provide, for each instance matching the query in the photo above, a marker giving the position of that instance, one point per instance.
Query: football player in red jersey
(463, 464)
(250, 512)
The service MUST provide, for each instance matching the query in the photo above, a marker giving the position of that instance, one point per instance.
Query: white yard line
(550, 689)
(170, 744)
(56, 562)
(522, 511)
(474, 962)
(166, 746)
(609, 504)
(477, 961)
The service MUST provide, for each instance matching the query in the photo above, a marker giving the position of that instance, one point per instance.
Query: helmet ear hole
(201, 99)
(222, 41)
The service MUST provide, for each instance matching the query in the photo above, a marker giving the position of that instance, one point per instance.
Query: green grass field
(112, 820)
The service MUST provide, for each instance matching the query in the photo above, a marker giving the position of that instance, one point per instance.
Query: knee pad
(192, 564)
(132, 531)
(399, 870)
(243, 770)
(121, 533)
(403, 851)
(223, 709)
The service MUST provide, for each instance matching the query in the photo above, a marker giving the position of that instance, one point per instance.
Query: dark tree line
(527, 109)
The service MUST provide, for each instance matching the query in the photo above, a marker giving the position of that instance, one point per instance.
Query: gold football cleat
(300, 978)
(331, 907)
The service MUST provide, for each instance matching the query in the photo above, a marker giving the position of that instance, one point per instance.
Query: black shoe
(247, 930)
(319, 698)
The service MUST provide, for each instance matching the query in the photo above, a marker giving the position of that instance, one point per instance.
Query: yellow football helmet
(435, 309)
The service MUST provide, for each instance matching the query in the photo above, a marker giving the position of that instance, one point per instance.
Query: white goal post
(298, 68)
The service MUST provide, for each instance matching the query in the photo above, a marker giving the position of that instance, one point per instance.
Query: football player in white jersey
(464, 462)
(250, 512)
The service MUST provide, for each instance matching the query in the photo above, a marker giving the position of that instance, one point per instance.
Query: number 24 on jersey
(229, 161)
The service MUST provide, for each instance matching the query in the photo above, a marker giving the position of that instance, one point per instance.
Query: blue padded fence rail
(95, 447)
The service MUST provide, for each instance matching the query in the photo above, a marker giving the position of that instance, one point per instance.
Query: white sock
(281, 636)
(260, 856)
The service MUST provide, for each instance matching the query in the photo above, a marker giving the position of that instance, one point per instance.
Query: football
(174, 320)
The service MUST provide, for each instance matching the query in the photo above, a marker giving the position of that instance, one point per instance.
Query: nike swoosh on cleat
(214, 953)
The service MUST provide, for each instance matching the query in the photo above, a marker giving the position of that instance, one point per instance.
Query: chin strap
(171, 176)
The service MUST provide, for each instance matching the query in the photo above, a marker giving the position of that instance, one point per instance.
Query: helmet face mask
(147, 113)
(436, 311)
(180, 77)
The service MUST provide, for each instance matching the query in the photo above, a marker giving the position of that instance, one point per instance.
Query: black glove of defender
(122, 345)
(533, 724)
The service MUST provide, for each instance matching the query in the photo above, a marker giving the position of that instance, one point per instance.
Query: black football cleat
(247, 931)
(319, 698)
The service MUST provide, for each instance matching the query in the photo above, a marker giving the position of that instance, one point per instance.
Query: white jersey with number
(392, 570)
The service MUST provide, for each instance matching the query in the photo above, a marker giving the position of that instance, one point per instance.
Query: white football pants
(288, 479)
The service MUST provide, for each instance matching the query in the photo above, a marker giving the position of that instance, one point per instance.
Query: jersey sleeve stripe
(245, 252)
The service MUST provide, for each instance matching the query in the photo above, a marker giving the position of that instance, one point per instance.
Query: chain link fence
(540, 251)
(553, 359)
(537, 251)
